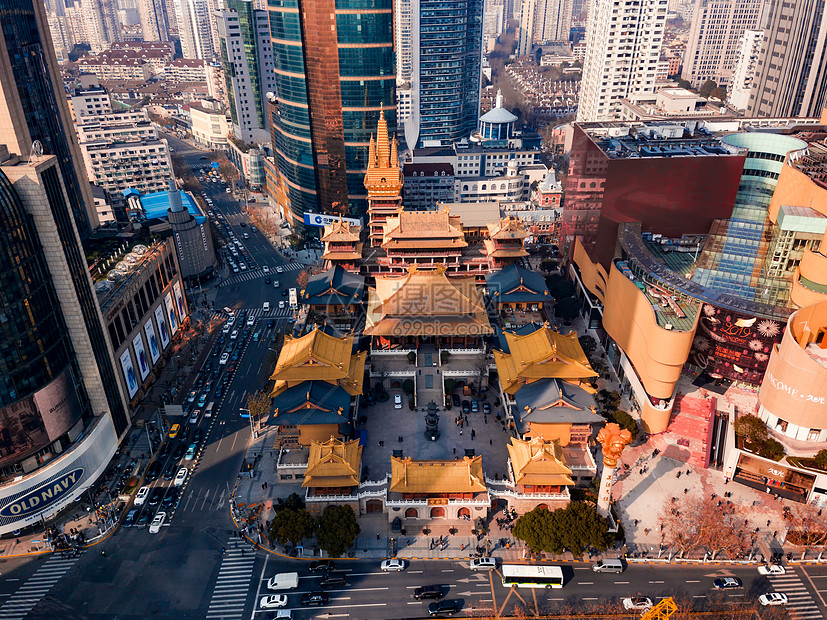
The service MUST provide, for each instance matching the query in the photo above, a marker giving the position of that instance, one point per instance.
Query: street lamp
(250, 416)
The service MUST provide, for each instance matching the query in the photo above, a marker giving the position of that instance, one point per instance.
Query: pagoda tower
(383, 181)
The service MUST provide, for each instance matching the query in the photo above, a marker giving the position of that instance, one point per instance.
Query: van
(208, 410)
(267, 306)
(608, 565)
(283, 581)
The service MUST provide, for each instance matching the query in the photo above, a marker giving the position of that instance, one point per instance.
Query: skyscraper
(154, 20)
(743, 72)
(446, 44)
(334, 70)
(61, 406)
(791, 78)
(528, 10)
(195, 28)
(553, 20)
(715, 38)
(246, 53)
(623, 42)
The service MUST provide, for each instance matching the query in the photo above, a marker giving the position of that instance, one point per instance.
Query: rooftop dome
(498, 114)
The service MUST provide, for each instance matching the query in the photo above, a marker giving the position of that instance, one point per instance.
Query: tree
(302, 278)
(624, 420)
(588, 344)
(771, 449)
(751, 428)
(293, 526)
(258, 404)
(707, 87)
(705, 523)
(336, 529)
(807, 526)
(450, 386)
(684, 84)
(559, 287)
(567, 308)
(411, 357)
(548, 264)
(820, 459)
(718, 93)
(408, 386)
(576, 528)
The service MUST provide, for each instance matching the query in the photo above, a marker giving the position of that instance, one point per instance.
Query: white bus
(293, 297)
(532, 576)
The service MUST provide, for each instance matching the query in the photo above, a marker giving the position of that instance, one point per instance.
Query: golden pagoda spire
(382, 144)
(394, 155)
(372, 153)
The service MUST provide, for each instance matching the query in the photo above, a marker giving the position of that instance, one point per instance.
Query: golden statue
(613, 441)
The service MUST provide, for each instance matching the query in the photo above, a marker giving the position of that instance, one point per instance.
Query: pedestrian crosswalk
(258, 313)
(253, 274)
(233, 582)
(800, 605)
(19, 604)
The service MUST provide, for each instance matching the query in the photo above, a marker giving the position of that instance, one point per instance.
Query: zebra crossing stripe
(19, 604)
(232, 585)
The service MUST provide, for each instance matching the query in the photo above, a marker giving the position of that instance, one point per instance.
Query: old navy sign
(43, 496)
(317, 219)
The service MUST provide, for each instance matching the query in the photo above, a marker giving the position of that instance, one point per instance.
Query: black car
(169, 474)
(444, 608)
(314, 599)
(129, 519)
(320, 565)
(455, 399)
(466, 407)
(153, 471)
(143, 519)
(197, 436)
(267, 280)
(271, 324)
(428, 592)
(219, 391)
(169, 498)
(284, 292)
(164, 450)
(180, 449)
(155, 497)
(244, 224)
(333, 581)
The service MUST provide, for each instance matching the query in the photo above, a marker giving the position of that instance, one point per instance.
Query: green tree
(751, 428)
(624, 420)
(411, 357)
(575, 528)
(771, 449)
(567, 308)
(559, 287)
(707, 87)
(336, 529)
(450, 386)
(408, 386)
(718, 93)
(292, 526)
(588, 344)
(820, 459)
(684, 84)
(535, 529)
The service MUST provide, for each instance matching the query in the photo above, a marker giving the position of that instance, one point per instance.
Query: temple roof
(341, 231)
(423, 229)
(491, 249)
(540, 354)
(509, 227)
(550, 401)
(333, 463)
(515, 284)
(448, 476)
(426, 303)
(311, 402)
(319, 356)
(335, 286)
(539, 462)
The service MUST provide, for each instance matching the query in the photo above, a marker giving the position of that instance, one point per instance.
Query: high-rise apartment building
(334, 73)
(196, 26)
(746, 65)
(61, 406)
(247, 55)
(715, 39)
(446, 44)
(528, 11)
(553, 20)
(102, 23)
(623, 43)
(154, 20)
(791, 78)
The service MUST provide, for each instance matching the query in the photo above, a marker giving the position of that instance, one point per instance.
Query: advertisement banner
(140, 355)
(179, 298)
(58, 405)
(149, 329)
(129, 373)
(162, 325)
(732, 345)
(173, 319)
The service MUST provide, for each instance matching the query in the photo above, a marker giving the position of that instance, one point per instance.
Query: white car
(281, 305)
(394, 564)
(483, 564)
(637, 603)
(273, 601)
(279, 269)
(196, 413)
(265, 269)
(224, 357)
(234, 335)
(243, 266)
(141, 496)
(181, 476)
(397, 401)
(251, 320)
(157, 523)
(771, 569)
(231, 320)
(773, 598)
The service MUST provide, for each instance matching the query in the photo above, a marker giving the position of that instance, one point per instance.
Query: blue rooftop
(156, 204)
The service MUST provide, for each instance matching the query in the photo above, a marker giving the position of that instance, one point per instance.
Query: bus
(293, 298)
(532, 576)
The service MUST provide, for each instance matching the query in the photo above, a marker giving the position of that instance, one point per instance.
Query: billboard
(732, 345)
(173, 320)
(162, 325)
(140, 355)
(34, 422)
(149, 329)
(318, 219)
(129, 373)
(179, 299)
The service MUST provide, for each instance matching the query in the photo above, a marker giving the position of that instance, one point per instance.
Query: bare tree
(705, 523)
(807, 526)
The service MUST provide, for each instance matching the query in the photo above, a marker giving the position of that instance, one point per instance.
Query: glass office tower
(334, 73)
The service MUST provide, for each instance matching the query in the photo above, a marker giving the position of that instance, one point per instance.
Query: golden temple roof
(509, 227)
(423, 230)
(539, 462)
(318, 356)
(448, 476)
(542, 354)
(383, 177)
(426, 303)
(503, 252)
(341, 231)
(333, 463)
